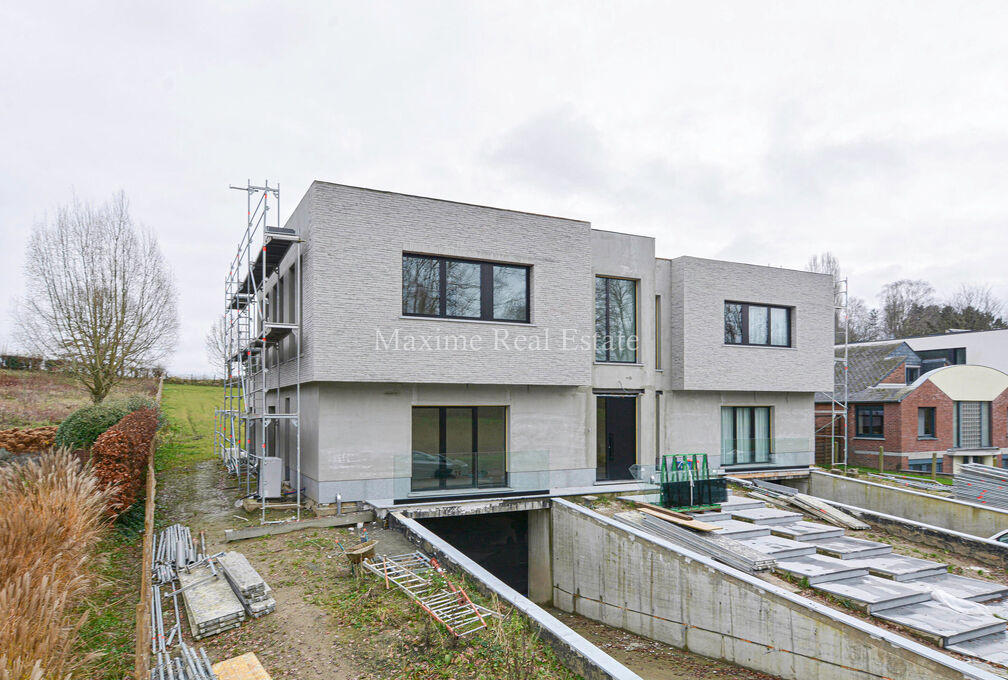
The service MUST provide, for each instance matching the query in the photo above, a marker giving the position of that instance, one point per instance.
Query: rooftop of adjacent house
(952, 333)
(867, 366)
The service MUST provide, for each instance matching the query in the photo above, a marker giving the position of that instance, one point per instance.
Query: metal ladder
(449, 605)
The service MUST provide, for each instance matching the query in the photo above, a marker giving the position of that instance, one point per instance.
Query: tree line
(911, 307)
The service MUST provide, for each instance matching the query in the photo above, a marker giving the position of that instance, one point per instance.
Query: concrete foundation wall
(919, 507)
(575, 652)
(622, 577)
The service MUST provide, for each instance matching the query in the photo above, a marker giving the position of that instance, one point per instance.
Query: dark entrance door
(616, 429)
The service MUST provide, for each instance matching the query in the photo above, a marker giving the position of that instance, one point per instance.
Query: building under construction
(393, 347)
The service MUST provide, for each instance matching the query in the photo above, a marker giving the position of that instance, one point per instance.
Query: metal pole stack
(982, 484)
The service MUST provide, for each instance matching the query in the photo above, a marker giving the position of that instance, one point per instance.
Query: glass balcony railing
(421, 473)
(772, 451)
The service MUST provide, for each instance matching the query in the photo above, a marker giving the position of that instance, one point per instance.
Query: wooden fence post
(141, 666)
(881, 459)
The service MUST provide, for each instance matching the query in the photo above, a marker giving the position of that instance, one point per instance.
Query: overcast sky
(751, 131)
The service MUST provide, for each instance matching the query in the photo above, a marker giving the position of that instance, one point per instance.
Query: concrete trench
(585, 563)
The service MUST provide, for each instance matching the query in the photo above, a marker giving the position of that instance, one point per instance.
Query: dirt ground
(304, 639)
(654, 660)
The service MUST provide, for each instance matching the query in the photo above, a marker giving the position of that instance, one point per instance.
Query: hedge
(119, 457)
(82, 427)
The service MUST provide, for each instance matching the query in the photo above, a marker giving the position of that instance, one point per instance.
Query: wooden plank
(694, 524)
(658, 508)
(344, 520)
(244, 667)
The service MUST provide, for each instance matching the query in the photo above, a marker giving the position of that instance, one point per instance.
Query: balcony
(767, 453)
(421, 475)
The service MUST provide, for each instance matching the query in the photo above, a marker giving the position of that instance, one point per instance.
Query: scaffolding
(262, 340)
(838, 413)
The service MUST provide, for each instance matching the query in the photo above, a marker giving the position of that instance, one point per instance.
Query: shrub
(119, 457)
(50, 522)
(29, 439)
(82, 427)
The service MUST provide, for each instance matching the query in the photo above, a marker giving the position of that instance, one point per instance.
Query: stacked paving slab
(210, 603)
(255, 595)
(903, 590)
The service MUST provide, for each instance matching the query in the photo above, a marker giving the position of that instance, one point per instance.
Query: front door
(616, 428)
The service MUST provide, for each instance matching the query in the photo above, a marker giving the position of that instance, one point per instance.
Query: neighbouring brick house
(958, 412)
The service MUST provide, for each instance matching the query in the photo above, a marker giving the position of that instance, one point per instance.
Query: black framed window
(459, 447)
(748, 324)
(926, 422)
(453, 288)
(870, 421)
(912, 373)
(615, 320)
(745, 435)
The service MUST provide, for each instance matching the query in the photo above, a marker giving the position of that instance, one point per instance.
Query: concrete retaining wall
(623, 577)
(983, 550)
(575, 652)
(967, 518)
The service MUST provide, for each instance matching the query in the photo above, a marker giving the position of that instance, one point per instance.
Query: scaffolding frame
(255, 325)
(839, 431)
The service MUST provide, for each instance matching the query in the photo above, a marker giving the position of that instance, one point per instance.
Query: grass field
(189, 434)
(926, 476)
(33, 398)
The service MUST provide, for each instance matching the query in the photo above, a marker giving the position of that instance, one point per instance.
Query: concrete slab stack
(211, 606)
(250, 588)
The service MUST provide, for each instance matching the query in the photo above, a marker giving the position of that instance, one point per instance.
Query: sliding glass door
(459, 447)
(745, 435)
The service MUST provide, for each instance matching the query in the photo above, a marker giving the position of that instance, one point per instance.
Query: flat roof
(446, 200)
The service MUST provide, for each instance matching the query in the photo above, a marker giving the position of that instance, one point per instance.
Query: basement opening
(497, 542)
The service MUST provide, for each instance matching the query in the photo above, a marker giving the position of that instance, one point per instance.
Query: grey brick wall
(708, 363)
(355, 239)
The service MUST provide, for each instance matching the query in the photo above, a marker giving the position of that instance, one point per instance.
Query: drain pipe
(339, 504)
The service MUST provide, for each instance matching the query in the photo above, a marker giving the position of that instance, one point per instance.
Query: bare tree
(862, 321)
(217, 345)
(100, 295)
(979, 298)
(827, 263)
(901, 301)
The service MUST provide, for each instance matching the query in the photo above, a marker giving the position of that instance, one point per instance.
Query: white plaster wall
(983, 348)
(693, 419)
(364, 427)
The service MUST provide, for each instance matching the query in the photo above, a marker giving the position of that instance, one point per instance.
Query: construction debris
(675, 517)
(982, 484)
(721, 548)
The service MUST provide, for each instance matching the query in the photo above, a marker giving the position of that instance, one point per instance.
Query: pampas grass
(52, 515)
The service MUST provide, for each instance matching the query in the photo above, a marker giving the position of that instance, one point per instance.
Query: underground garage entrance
(497, 542)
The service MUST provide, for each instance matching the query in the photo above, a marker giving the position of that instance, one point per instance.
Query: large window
(870, 421)
(972, 424)
(926, 422)
(911, 374)
(745, 435)
(459, 447)
(747, 324)
(464, 289)
(615, 320)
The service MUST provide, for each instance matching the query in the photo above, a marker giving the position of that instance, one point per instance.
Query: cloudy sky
(752, 131)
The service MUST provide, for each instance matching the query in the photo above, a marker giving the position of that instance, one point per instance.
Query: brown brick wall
(897, 377)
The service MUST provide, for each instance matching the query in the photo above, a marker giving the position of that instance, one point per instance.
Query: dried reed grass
(52, 515)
